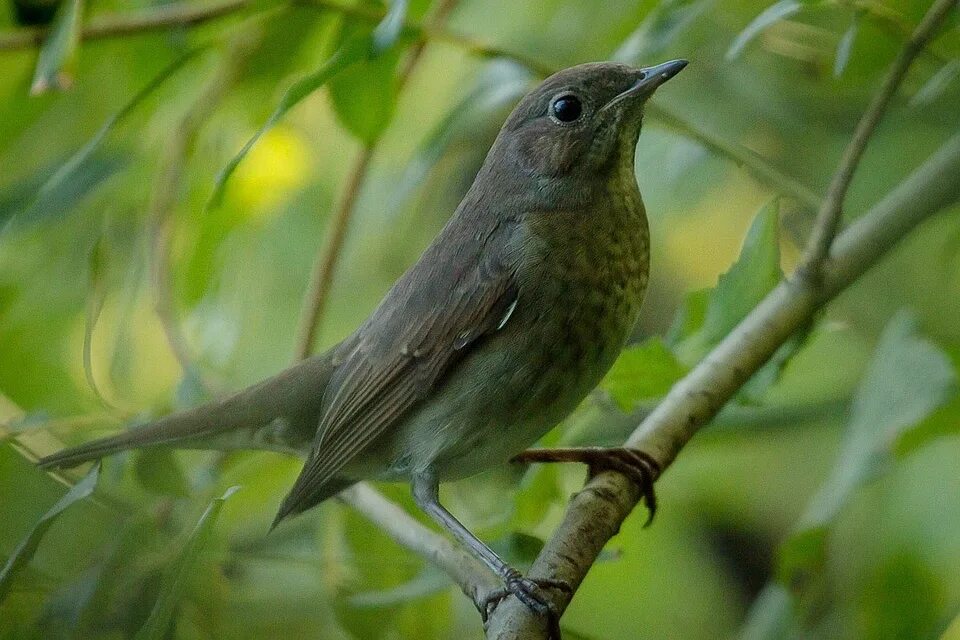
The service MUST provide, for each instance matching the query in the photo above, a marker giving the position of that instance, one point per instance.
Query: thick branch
(828, 218)
(596, 513)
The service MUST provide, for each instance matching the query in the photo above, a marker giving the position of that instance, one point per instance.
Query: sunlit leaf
(28, 546)
(658, 30)
(643, 371)
(158, 624)
(768, 17)
(56, 60)
(907, 379)
(845, 46)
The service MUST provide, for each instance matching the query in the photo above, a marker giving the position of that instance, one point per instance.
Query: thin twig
(166, 188)
(474, 579)
(325, 266)
(180, 14)
(831, 211)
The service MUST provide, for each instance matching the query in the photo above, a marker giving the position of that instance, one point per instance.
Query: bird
(507, 321)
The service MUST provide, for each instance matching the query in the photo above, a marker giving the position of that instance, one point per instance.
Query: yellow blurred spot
(276, 167)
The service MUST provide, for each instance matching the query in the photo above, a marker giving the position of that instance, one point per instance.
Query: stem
(596, 513)
(831, 212)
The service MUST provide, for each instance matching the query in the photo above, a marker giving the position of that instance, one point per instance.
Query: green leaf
(907, 379)
(644, 371)
(350, 52)
(659, 30)
(937, 84)
(944, 421)
(365, 95)
(767, 18)
(159, 472)
(845, 46)
(95, 299)
(28, 546)
(953, 631)
(67, 173)
(755, 273)
(690, 316)
(426, 583)
(57, 58)
(158, 624)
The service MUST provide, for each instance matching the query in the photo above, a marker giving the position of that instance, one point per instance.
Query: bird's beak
(649, 79)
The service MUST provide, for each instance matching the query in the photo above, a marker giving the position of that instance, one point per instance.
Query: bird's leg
(529, 591)
(633, 463)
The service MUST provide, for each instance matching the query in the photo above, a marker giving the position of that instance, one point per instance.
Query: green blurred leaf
(57, 58)
(28, 546)
(937, 84)
(365, 95)
(158, 624)
(159, 471)
(690, 316)
(755, 273)
(768, 17)
(95, 299)
(845, 46)
(659, 30)
(500, 84)
(350, 52)
(426, 583)
(643, 371)
(944, 421)
(953, 631)
(906, 380)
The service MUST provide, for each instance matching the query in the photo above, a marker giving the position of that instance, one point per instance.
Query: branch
(828, 218)
(321, 277)
(474, 579)
(596, 513)
(182, 14)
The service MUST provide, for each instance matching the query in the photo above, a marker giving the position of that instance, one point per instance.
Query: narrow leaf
(158, 624)
(387, 32)
(28, 546)
(57, 58)
(350, 52)
(658, 30)
(937, 84)
(845, 46)
(644, 371)
(770, 16)
(96, 296)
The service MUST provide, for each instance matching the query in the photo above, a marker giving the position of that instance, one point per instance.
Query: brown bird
(511, 316)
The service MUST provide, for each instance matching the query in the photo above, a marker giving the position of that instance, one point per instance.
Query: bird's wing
(462, 288)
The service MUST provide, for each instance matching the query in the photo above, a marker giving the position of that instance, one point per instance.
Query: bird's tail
(279, 413)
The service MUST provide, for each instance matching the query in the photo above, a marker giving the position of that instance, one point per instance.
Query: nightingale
(506, 322)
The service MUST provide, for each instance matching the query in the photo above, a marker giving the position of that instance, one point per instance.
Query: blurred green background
(824, 503)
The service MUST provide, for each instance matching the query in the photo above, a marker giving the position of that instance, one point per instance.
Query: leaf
(68, 171)
(690, 316)
(644, 371)
(349, 53)
(755, 273)
(95, 300)
(426, 583)
(942, 422)
(386, 33)
(28, 546)
(365, 95)
(845, 46)
(500, 84)
(158, 624)
(907, 379)
(159, 472)
(937, 84)
(767, 18)
(57, 58)
(658, 30)
(953, 631)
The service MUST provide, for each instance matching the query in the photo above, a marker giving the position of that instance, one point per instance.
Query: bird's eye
(566, 108)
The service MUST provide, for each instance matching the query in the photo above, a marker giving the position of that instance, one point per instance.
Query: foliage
(820, 504)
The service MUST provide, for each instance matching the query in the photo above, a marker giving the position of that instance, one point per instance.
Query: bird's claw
(637, 465)
(529, 591)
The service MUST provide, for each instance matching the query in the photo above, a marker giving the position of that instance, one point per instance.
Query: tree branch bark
(596, 513)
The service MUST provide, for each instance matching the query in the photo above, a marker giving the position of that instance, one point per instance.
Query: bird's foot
(529, 591)
(633, 463)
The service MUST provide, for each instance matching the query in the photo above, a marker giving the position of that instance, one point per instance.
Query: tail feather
(282, 411)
